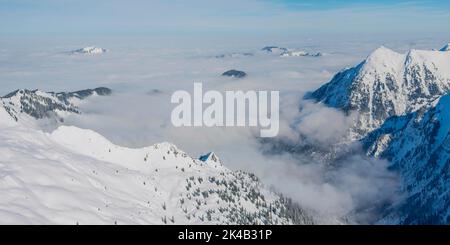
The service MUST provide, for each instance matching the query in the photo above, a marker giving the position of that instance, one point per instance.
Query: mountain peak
(445, 48)
(383, 55)
(39, 104)
(19, 92)
(211, 156)
(382, 49)
(89, 50)
(387, 84)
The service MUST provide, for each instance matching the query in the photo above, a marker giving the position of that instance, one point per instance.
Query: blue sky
(332, 4)
(106, 17)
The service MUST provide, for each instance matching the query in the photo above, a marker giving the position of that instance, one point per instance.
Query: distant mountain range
(234, 73)
(285, 52)
(300, 53)
(89, 50)
(279, 51)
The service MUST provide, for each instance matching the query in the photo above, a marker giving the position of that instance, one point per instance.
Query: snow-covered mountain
(25, 104)
(445, 48)
(76, 176)
(298, 53)
(285, 52)
(418, 146)
(403, 107)
(387, 84)
(89, 50)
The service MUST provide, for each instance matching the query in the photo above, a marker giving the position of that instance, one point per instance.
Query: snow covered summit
(89, 50)
(210, 157)
(234, 55)
(445, 48)
(387, 84)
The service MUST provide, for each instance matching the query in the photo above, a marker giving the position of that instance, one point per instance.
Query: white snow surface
(76, 176)
(90, 50)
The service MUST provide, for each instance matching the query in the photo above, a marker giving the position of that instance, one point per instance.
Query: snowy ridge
(89, 50)
(26, 104)
(445, 48)
(285, 52)
(299, 53)
(76, 176)
(387, 84)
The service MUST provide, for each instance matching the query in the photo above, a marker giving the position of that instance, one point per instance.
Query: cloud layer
(144, 73)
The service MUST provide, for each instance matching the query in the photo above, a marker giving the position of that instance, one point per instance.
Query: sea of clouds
(144, 72)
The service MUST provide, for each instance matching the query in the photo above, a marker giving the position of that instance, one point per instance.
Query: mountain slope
(445, 48)
(75, 176)
(418, 145)
(402, 103)
(27, 105)
(387, 84)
